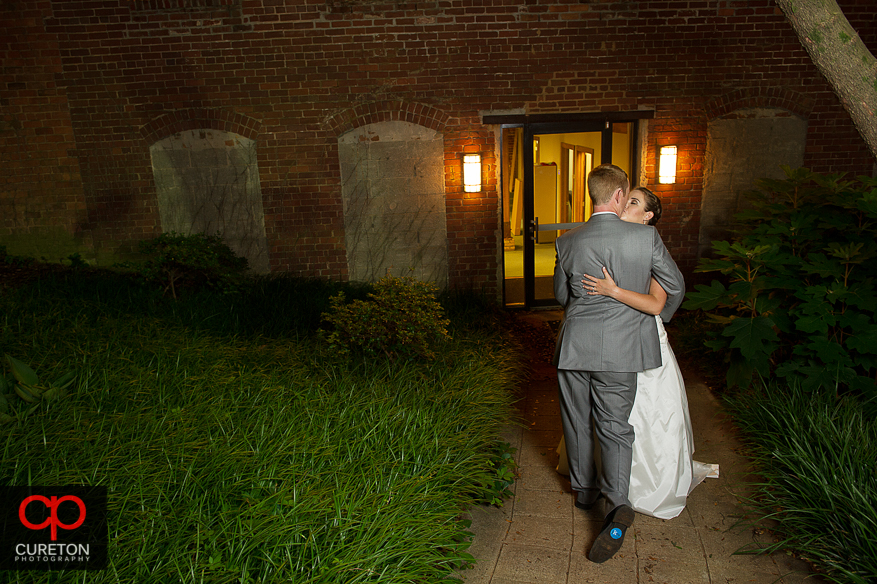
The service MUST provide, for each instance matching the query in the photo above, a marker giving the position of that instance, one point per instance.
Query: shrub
(401, 318)
(14, 260)
(75, 261)
(177, 261)
(799, 299)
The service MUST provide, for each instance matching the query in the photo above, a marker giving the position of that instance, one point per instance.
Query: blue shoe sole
(612, 535)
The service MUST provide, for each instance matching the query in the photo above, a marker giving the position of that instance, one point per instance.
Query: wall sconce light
(472, 173)
(667, 165)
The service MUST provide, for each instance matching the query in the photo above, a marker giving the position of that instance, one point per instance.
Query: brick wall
(87, 85)
(40, 185)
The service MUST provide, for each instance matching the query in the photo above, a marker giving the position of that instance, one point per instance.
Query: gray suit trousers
(598, 402)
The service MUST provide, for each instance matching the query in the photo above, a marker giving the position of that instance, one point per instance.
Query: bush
(798, 300)
(400, 319)
(191, 261)
(13, 260)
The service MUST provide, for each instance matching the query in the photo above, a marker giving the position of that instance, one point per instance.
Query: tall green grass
(240, 452)
(818, 459)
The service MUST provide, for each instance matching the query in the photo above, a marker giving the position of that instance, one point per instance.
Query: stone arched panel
(392, 186)
(743, 146)
(208, 181)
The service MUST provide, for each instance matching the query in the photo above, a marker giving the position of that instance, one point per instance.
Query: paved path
(539, 537)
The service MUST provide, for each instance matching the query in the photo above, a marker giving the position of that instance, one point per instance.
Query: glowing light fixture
(472, 173)
(667, 165)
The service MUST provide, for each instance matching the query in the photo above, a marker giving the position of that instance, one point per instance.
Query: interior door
(546, 195)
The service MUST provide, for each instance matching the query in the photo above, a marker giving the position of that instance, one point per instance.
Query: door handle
(534, 228)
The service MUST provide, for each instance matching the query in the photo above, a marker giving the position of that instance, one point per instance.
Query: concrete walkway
(539, 537)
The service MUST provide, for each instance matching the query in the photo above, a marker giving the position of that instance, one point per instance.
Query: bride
(663, 472)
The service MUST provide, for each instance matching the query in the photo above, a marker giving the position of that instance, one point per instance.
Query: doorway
(544, 188)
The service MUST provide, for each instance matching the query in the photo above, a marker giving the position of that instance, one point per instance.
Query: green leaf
(830, 352)
(719, 318)
(866, 362)
(65, 380)
(816, 316)
(812, 323)
(853, 322)
(753, 336)
(862, 296)
(817, 375)
(768, 305)
(849, 253)
(813, 294)
(716, 344)
(864, 341)
(789, 368)
(53, 393)
(740, 372)
(715, 265)
(706, 297)
(743, 290)
(22, 372)
(823, 266)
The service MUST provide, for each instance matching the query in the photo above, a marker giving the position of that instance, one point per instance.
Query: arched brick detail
(196, 119)
(774, 97)
(387, 111)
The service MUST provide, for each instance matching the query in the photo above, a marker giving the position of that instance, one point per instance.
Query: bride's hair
(652, 203)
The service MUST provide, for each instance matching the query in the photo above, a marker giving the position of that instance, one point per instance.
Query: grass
(815, 454)
(236, 449)
(818, 459)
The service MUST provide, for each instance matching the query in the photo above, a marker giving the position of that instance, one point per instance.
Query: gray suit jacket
(599, 333)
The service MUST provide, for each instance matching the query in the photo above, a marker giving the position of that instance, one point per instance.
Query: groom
(602, 344)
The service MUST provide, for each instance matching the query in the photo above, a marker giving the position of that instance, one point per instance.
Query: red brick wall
(92, 83)
(40, 184)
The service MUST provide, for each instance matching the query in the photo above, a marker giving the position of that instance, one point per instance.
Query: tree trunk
(841, 56)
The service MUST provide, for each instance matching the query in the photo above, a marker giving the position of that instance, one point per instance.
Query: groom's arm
(667, 273)
(561, 287)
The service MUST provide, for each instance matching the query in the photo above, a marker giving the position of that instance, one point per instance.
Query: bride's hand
(604, 286)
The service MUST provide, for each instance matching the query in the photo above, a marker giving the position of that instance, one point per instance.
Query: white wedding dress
(663, 471)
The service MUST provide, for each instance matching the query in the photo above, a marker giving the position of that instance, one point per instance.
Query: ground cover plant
(816, 456)
(237, 450)
(794, 307)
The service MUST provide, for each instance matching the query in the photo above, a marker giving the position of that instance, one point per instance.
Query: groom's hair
(602, 182)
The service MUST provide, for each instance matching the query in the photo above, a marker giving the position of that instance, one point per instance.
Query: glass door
(545, 167)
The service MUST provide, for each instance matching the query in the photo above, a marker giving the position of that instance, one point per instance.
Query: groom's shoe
(587, 506)
(612, 535)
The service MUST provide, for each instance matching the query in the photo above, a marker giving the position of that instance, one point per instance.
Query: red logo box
(53, 528)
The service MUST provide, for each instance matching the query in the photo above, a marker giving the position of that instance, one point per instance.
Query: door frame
(580, 203)
(540, 124)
